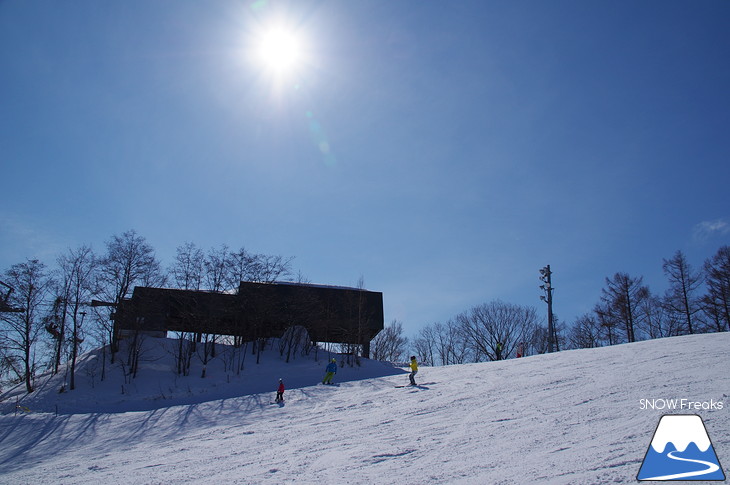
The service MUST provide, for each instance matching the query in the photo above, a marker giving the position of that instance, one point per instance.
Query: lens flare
(280, 49)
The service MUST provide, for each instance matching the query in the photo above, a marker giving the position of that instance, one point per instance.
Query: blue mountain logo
(681, 450)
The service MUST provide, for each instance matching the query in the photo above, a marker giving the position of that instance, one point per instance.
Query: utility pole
(545, 274)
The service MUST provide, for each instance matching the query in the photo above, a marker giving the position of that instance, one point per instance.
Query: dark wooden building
(258, 310)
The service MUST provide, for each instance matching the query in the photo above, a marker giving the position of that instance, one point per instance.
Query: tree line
(48, 320)
(697, 300)
(53, 321)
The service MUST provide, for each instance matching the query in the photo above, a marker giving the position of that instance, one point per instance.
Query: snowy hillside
(575, 417)
(157, 384)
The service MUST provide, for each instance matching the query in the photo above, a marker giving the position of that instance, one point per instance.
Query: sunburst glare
(280, 50)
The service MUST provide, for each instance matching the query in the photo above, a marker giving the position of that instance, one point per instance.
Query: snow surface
(567, 418)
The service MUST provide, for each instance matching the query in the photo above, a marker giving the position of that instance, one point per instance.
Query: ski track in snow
(566, 418)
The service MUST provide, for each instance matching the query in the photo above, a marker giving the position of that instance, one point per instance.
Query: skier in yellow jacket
(414, 370)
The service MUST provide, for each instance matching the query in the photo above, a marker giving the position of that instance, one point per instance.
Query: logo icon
(680, 450)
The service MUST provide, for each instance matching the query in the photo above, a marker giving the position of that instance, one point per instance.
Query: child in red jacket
(280, 392)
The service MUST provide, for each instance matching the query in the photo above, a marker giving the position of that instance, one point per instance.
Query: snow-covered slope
(157, 384)
(574, 417)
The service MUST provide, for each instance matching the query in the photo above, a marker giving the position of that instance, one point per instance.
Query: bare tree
(657, 320)
(99, 333)
(55, 323)
(452, 346)
(205, 352)
(188, 269)
(586, 332)
(217, 268)
(31, 284)
(681, 297)
(486, 332)
(77, 269)
(622, 296)
(268, 269)
(713, 314)
(241, 264)
(424, 345)
(301, 278)
(717, 300)
(294, 339)
(129, 261)
(185, 351)
(258, 268)
(539, 341)
(608, 322)
(497, 323)
(389, 344)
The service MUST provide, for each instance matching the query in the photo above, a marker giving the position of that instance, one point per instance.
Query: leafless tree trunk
(622, 296)
(78, 273)
(129, 260)
(586, 333)
(241, 264)
(183, 353)
(188, 269)
(32, 285)
(268, 269)
(717, 270)
(217, 267)
(390, 344)
(424, 345)
(487, 325)
(657, 321)
(292, 341)
(56, 325)
(608, 322)
(683, 285)
(205, 354)
(452, 343)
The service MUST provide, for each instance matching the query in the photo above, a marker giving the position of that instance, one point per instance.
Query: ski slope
(568, 418)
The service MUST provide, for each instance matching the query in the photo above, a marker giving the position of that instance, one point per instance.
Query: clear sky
(444, 151)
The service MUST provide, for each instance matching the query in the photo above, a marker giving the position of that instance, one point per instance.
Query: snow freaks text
(680, 404)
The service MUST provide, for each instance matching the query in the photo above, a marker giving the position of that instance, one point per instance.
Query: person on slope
(500, 346)
(331, 371)
(414, 370)
(280, 392)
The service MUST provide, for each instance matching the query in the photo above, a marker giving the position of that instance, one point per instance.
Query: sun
(280, 50)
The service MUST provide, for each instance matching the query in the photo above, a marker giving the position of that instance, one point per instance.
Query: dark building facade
(258, 310)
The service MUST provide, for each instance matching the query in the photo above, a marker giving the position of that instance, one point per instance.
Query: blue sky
(444, 151)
